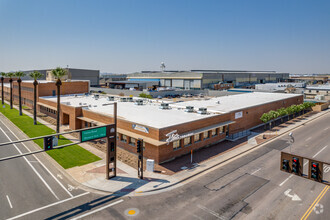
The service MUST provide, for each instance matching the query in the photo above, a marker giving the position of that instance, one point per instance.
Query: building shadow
(98, 202)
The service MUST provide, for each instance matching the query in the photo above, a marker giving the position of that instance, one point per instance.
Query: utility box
(150, 165)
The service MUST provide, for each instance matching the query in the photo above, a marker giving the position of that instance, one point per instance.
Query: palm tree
(35, 75)
(3, 75)
(10, 75)
(58, 73)
(19, 81)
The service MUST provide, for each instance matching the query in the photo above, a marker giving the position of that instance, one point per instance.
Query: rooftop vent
(84, 103)
(164, 106)
(139, 102)
(202, 111)
(111, 98)
(95, 106)
(189, 109)
(123, 99)
(90, 106)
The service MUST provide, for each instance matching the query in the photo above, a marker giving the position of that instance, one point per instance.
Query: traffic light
(138, 146)
(295, 165)
(285, 165)
(48, 143)
(315, 171)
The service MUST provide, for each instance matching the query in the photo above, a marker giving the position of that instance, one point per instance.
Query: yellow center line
(316, 201)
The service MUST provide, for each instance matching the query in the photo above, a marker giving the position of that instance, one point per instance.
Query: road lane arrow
(294, 197)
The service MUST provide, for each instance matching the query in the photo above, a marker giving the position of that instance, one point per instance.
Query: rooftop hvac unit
(123, 99)
(111, 98)
(139, 102)
(90, 106)
(130, 99)
(96, 97)
(80, 103)
(76, 95)
(85, 103)
(164, 106)
(202, 111)
(95, 106)
(189, 109)
(86, 94)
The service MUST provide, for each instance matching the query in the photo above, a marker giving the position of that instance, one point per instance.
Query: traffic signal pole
(139, 149)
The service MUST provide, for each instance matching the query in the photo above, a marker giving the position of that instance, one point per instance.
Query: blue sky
(127, 36)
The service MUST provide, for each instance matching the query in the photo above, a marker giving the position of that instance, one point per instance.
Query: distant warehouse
(73, 74)
(204, 79)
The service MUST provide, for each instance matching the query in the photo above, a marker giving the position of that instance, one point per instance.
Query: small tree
(265, 118)
(3, 75)
(281, 112)
(19, 81)
(35, 75)
(10, 75)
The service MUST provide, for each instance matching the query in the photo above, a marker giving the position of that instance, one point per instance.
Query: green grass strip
(67, 157)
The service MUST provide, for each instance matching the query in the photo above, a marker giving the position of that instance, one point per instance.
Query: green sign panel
(93, 134)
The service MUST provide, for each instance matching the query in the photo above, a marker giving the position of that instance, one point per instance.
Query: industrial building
(44, 88)
(73, 74)
(205, 79)
(279, 86)
(169, 129)
(318, 92)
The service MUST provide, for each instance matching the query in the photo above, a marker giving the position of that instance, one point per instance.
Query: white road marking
(294, 197)
(36, 172)
(47, 206)
(40, 162)
(9, 202)
(217, 215)
(320, 151)
(281, 184)
(306, 163)
(308, 139)
(326, 169)
(255, 171)
(59, 176)
(97, 210)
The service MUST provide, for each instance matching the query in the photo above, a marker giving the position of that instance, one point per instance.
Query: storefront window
(176, 144)
(123, 138)
(214, 132)
(132, 141)
(206, 134)
(187, 141)
(197, 137)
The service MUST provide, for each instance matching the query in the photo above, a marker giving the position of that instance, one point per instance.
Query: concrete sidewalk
(126, 183)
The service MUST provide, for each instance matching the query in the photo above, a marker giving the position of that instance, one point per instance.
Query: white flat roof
(232, 103)
(150, 114)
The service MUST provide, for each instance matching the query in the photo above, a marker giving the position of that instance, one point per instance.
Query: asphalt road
(249, 187)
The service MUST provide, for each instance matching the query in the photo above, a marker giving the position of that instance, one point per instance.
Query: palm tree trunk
(19, 97)
(58, 109)
(3, 102)
(11, 93)
(35, 103)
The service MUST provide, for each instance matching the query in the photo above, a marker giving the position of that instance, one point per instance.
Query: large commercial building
(205, 79)
(73, 74)
(170, 129)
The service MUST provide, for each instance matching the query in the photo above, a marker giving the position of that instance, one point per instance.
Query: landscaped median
(67, 157)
